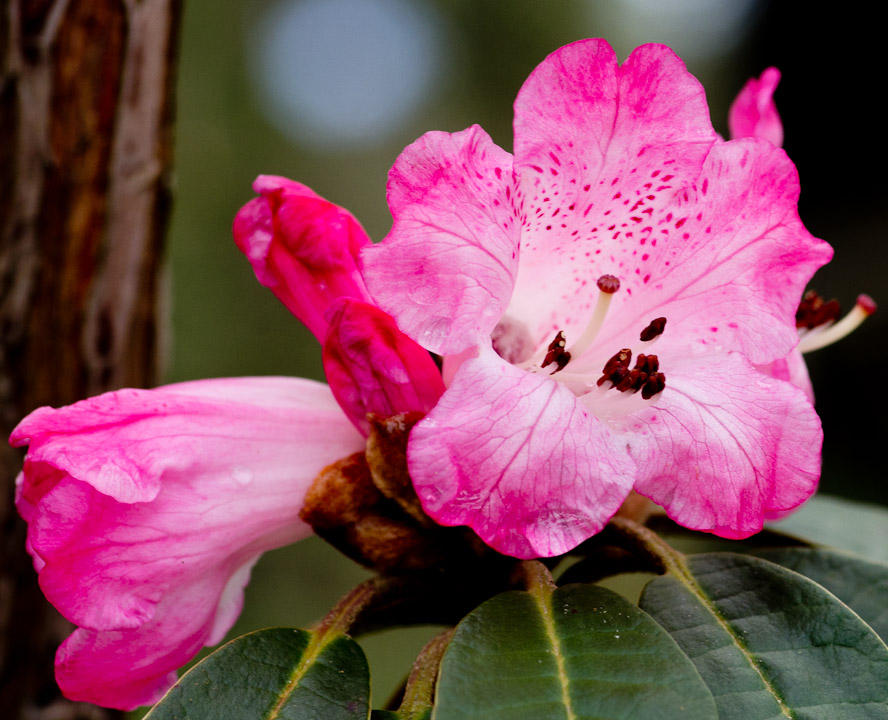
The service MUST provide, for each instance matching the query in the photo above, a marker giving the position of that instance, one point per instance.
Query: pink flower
(621, 209)
(146, 509)
(754, 114)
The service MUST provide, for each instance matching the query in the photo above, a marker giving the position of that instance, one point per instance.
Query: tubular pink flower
(622, 220)
(753, 113)
(146, 510)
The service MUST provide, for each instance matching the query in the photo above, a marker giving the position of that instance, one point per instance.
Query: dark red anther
(655, 383)
(608, 284)
(654, 329)
(616, 368)
(647, 363)
(620, 359)
(645, 376)
(616, 376)
(815, 311)
(634, 381)
(556, 353)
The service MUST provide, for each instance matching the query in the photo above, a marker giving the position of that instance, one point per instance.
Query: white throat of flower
(643, 382)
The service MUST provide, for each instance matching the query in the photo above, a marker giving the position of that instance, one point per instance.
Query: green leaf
(860, 584)
(769, 642)
(852, 526)
(276, 673)
(580, 651)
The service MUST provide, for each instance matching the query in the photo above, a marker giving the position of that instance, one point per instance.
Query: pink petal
(726, 446)
(137, 494)
(125, 669)
(792, 369)
(516, 457)
(596, 147)
(445, 271)
(302, 247)
(726, 262)
(372, 367)
(753, 113)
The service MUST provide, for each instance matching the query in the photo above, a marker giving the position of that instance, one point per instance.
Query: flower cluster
(614, 306)
(147, 509)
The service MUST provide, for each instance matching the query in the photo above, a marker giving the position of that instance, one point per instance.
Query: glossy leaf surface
(769, 642)
(279, 673)
(861, 585)
(580, 651)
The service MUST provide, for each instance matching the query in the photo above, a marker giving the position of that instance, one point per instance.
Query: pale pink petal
(517, 458)
(445, 271)
(791, 368)
(738, 256)
(136, 494)
(725, 446)
(597, 147)
(372, 367)
(303, 247)
(726, 261)
(753, 112)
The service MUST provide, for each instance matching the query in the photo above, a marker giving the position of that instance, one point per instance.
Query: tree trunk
(86, 107)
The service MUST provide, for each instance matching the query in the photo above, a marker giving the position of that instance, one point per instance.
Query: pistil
(608, 285)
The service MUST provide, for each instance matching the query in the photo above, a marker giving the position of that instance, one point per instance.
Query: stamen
(616, 368)
(556, 353)
(608, 285)
(655, 383)
(654, 329)
(645, 376)
(816, 339)
(815, 311)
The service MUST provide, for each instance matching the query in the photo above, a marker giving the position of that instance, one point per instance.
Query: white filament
(595, 323)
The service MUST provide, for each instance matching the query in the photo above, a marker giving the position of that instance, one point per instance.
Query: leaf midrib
(542, 595)
(313, 650)
(680, 570)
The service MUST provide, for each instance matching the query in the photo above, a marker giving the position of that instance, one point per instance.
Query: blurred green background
(328, 92)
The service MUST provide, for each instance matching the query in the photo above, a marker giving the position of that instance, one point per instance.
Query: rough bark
(86, 91)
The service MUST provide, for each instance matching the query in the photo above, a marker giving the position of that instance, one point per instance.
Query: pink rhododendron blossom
(604, 298)
(753, 113)
(146, 510)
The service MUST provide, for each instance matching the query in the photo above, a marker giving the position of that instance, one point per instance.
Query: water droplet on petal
(242, 475)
